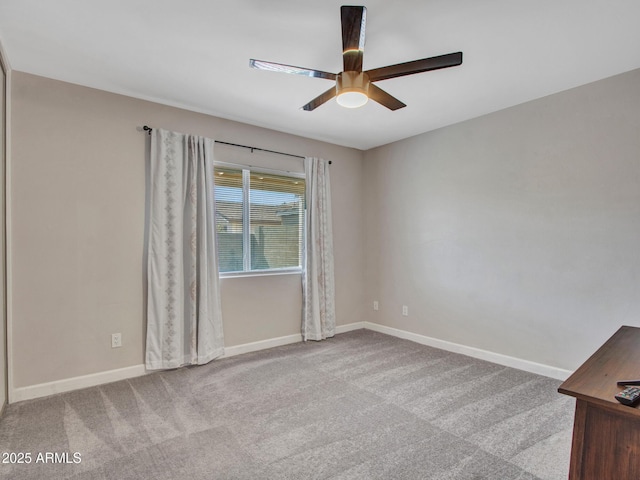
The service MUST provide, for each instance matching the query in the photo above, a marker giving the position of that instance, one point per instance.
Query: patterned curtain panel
(318, 297)
(184, 319)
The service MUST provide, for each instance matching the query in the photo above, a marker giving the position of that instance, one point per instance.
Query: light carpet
(362, 405)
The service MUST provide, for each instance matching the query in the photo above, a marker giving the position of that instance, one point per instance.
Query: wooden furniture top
(595, 380)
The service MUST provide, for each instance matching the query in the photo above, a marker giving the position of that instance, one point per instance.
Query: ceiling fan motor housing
(352, 88)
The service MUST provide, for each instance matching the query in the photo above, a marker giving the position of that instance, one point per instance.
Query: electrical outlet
(116, 340)
(375, 305)
(405, 311)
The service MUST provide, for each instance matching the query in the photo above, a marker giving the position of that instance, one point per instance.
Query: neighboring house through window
(259, 220)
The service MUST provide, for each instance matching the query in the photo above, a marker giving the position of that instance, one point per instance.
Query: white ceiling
(195, 54)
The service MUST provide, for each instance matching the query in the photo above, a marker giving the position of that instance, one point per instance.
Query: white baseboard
(260, 345)
(84, 381)
(279, 341)
(74, 383)
(507, 361)
(349, 327)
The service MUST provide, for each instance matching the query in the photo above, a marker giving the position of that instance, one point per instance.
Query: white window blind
(259, 220)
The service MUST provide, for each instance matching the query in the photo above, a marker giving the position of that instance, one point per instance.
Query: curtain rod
(148, 129)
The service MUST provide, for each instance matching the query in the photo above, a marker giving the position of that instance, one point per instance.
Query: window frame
(247, 170)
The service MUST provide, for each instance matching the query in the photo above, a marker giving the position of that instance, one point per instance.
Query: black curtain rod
(148, 129)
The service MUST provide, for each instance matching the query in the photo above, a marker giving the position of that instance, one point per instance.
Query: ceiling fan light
(352, 89)
(352, 99)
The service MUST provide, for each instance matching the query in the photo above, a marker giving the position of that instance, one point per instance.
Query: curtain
(318, 297)
(184, 319)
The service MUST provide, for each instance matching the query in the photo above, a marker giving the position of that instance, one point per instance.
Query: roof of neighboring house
(265, 214)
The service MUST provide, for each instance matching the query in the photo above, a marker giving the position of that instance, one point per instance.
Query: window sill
(266, 273)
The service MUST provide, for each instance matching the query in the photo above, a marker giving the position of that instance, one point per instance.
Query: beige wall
(78, 214)
(517, 232)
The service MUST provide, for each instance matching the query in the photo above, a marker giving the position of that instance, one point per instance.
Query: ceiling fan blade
(417, 66)
(320, 99)
(279, 67)
(383, 98)
(354, 20)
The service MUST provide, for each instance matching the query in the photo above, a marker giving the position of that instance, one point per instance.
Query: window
(259, 220)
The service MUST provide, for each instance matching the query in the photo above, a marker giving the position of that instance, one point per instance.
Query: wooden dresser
(606, 434)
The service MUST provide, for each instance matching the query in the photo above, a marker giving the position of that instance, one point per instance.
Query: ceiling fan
(354, 87)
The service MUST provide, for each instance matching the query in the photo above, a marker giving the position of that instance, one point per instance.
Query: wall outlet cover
(116, 340)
